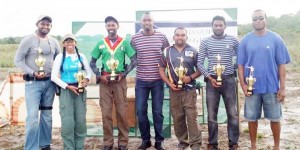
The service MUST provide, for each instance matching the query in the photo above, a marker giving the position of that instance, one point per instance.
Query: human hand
(244, 88)
(281, 95)
(73, 89)
(173, 87)
(37, 75)
(214, 83)
(186, 79)
(103, 79)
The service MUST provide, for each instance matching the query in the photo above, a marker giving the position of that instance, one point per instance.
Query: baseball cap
(44, 17)
(69, 36)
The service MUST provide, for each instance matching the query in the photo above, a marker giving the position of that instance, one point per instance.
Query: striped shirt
(149, 49)
(211, 47)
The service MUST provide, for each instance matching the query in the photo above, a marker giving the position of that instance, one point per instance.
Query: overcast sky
(18, 17)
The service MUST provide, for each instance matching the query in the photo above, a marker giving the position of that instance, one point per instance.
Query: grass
(8, 52)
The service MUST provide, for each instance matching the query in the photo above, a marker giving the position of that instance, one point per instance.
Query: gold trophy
(250, 81)
(112, 65)
(219, 69)
(40, 61)
(79, 76)
(180, 72)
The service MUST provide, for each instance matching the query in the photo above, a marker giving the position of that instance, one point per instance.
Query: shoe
(182, 145)
(46, 148)
(122, 147)
(212, 147)
(159, 146)
(145, 144)
(107, 148)
(233, 147)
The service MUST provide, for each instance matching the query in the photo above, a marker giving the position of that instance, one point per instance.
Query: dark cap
(44, 17)
(111, 18)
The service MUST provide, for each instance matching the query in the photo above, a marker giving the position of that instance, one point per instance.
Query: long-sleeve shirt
(27, 52)
(211, 47)
(70, 67)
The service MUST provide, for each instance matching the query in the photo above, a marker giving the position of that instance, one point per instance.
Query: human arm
(282, 77)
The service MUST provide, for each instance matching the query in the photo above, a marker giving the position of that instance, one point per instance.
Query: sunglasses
(258, 18)
(69, 41)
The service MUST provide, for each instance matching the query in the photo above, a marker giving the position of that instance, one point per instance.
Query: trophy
(40, 61)
(180, 72)
(79, 76)
(219, 69)
(250, 81)
(112, 65)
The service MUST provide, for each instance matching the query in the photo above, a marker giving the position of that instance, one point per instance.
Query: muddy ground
(290, 134)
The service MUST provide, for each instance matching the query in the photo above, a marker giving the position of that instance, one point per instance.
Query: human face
(180, 37)
(218, 27)
(44, 27)
(111, 28)
(147, 22)
(70, 44)
(259, 20)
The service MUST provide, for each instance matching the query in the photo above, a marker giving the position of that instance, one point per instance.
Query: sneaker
(145, 144)
(107, 148)
(233, 147)
(159, 146)
(122, 147)
(182, 145)
(46, 148)
(212, 147)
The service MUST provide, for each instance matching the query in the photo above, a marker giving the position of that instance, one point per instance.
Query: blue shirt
(265, 53)
(70, 68)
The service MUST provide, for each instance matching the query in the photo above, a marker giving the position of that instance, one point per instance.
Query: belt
(37, 79)
(224, 77)
(108, 73)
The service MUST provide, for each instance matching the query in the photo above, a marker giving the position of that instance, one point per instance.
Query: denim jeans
(38, 128)
(142, 90)
(228, 92)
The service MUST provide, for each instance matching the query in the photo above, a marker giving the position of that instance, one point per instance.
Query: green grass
(8, 52)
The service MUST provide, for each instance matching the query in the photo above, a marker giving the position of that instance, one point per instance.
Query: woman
(72, 102)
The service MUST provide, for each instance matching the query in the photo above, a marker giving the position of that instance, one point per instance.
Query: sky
(18, 17)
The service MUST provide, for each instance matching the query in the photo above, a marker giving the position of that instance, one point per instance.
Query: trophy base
(250, 92)
(41, 72)
(113, 78)
(80, 90)
(179, 86)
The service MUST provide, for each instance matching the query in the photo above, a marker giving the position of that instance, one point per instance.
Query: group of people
(156, 62)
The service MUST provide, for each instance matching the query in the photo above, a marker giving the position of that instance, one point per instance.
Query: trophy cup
(219, 69)
(40, 61)
(250, 81)
(112, 65)
(180, 72)
(79, 76)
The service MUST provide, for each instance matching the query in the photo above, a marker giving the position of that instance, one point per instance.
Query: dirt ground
(290, 134)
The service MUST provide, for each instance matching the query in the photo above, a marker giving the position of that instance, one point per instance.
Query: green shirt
(120, 48)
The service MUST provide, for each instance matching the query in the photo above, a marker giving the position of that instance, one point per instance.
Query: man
(113, 47)
(223, 46)
(267, 53)
(183, 100)
(149, 44)
(39, 90)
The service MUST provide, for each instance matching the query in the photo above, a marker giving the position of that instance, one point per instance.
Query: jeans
(228, 92)
(142, 90)
(38, 128)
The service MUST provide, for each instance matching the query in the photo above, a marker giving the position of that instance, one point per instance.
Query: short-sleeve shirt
(121, 48)
(170, 59)
(149, 49)
(265, 53)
